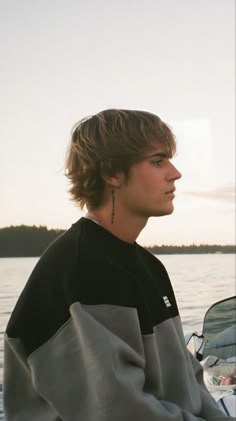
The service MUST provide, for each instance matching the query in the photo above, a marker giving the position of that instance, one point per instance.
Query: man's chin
(164, 212)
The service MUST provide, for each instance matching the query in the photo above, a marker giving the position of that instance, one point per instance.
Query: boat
(215, 348)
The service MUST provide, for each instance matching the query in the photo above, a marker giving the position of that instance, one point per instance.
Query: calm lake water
(198, 281)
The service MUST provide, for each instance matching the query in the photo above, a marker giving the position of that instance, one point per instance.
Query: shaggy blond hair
(109, 142)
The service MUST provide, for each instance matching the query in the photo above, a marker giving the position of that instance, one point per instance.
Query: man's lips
(171, 191)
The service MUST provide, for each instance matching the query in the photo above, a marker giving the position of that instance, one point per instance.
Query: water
(198, 281)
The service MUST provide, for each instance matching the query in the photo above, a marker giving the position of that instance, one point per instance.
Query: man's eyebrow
(157, 155)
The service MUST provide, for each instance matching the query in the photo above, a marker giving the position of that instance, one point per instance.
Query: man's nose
(174, 173)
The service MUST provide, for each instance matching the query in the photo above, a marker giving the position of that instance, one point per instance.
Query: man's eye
(158, 163)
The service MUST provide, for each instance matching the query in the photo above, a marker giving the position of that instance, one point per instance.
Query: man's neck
(127, 228)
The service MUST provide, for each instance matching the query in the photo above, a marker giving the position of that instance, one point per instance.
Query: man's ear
(113, 180)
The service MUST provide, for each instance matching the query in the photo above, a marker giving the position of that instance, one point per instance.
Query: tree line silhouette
(26, 241)
(32, 241)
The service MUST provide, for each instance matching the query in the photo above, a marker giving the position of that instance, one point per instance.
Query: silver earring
(113, 206)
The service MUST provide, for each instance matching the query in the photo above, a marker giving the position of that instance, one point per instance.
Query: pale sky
(64, 60)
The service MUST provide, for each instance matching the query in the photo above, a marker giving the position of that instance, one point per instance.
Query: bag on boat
(215, 348)
(214, 371)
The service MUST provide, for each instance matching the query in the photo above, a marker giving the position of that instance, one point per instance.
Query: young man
(96, 334)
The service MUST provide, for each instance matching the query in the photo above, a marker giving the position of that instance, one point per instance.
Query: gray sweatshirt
(96, 336)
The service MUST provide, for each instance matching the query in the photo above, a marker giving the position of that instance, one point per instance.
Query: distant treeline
(26, 241)
(192, 249)
(31, 241)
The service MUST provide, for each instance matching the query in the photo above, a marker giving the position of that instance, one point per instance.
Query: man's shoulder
(151, 259)
(43, 305)
(62, 251)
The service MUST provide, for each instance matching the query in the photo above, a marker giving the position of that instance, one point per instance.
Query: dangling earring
(113, 206)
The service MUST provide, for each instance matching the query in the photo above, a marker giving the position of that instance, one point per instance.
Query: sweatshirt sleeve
(21, 401)
(85, 372)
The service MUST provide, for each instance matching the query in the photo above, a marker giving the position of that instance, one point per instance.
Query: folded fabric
(215, 369)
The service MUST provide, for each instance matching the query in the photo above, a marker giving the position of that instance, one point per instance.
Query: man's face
(149, 189)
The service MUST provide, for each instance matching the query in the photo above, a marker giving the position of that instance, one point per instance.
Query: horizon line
(144, 245)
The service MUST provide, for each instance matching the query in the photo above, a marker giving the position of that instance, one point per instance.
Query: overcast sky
(64, 60)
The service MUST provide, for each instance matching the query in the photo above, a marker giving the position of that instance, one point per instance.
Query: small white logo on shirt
(166, 301)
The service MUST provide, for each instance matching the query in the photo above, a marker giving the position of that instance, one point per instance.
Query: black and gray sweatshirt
(96, 336)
